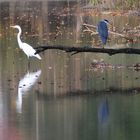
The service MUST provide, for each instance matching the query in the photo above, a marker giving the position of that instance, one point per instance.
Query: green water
(62, 97)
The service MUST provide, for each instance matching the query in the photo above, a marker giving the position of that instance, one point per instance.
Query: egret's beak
(12, 26)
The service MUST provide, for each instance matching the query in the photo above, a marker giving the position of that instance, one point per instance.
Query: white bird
(27, 49)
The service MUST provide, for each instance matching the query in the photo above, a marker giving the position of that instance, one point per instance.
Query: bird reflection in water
(25, 85)
(103, 119)
(103, 111)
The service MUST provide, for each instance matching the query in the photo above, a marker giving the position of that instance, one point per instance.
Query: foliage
(94, 2)
(126, 4)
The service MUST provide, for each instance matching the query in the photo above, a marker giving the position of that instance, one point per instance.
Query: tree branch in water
(92, 30)
(75, 50)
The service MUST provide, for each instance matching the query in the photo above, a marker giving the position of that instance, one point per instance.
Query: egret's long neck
(18, 37)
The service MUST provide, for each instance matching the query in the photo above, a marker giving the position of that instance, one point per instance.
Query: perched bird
(103, 30)
(27, 49)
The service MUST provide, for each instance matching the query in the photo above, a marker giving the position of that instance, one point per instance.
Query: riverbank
(96, 12)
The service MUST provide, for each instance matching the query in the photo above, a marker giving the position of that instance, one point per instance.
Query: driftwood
(110, 90)
(75, 50)
(93, 31)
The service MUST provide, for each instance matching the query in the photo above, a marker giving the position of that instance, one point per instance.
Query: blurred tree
(125, 4)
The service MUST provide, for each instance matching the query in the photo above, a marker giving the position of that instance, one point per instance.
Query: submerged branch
(75, 50)
(109, 90)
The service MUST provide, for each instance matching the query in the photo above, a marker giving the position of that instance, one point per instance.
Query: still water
(62, 97)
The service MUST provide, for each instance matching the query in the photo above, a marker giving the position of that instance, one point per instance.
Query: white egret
(27, 49)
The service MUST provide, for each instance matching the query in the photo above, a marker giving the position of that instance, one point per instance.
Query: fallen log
(109, 90)
(75, 50)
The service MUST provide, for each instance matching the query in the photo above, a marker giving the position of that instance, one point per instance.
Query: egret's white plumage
(28, 50)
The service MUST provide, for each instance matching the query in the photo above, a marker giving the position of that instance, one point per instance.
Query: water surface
(62, 96)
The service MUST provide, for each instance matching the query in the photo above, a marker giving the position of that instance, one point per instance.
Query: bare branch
(88, 29)
(75, 50)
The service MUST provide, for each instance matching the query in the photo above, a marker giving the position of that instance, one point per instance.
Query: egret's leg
(28, 63)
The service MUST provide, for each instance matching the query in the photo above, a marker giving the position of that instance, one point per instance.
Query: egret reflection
(25, 85)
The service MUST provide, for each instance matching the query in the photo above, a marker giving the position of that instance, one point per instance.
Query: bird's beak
(12, 26)
(110, 25)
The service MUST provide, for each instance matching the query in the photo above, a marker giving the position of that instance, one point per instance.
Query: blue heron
(103, 30)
